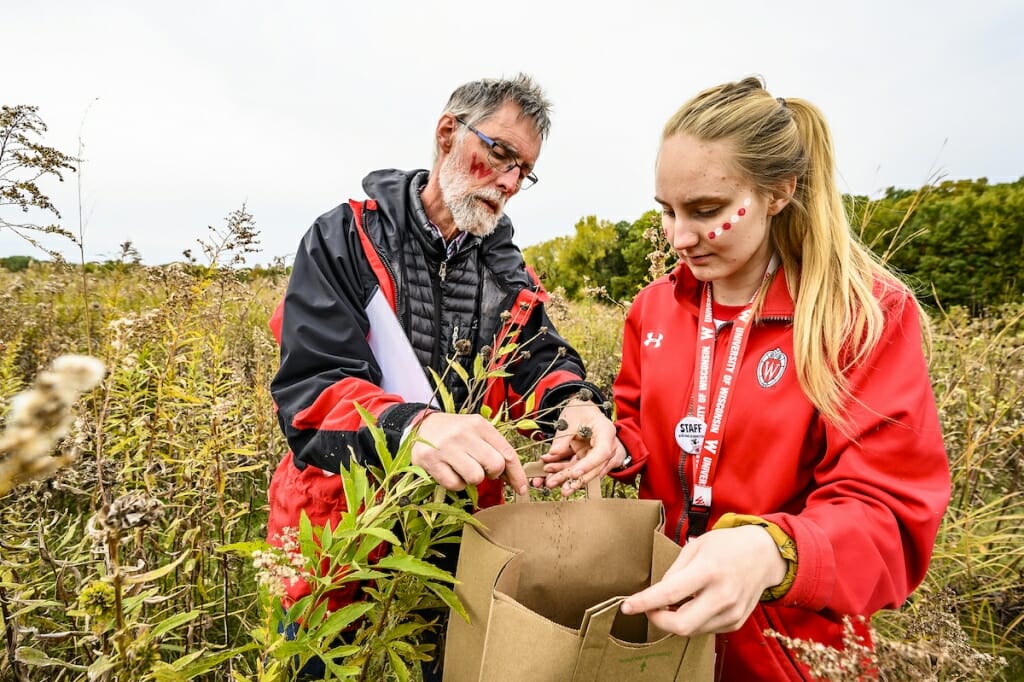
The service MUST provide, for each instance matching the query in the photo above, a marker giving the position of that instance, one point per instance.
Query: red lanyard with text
(694, 433)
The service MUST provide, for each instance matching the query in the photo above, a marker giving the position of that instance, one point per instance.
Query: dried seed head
(561, 425)
(134, 510)
(585, 395)
(485, 352)
(463, 347)
(585, 432)
(505, 315)
(40, 417)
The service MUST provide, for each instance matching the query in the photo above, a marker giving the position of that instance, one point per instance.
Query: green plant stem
(115, 579)
(11, 638)
(392, 588)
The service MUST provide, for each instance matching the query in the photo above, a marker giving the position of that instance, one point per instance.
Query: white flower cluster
(277, 569)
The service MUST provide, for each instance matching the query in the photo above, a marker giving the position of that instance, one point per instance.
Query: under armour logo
(654, 340)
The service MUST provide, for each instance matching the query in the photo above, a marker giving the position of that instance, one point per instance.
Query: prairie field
(136, 553)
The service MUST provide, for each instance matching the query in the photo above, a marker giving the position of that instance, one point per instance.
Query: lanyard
(695, 433)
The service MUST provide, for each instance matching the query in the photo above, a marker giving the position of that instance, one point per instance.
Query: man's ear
(782, 195)
(446, 133)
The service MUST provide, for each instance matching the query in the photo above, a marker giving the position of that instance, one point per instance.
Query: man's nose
(509, 181)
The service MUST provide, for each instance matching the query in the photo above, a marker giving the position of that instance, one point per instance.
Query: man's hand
(714, 584)
(586, 449)
(463, 449)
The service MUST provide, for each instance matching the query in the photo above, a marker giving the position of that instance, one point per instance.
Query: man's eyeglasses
(502, 160)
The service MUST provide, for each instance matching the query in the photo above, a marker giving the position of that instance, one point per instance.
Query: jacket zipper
(391, 273)
(435, 288)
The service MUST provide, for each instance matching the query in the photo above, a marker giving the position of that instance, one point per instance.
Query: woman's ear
(782, 196)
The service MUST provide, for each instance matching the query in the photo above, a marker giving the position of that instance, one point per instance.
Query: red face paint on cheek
(480, 169)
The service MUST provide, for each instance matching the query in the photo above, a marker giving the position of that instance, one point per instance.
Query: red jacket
(862, 504)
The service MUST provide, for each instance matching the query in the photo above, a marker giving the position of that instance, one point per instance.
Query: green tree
(963, 238)
(24, 161)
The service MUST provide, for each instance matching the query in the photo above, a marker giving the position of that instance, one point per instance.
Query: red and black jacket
(448, 305)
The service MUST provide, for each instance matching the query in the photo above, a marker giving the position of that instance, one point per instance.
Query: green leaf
(527, 425)
(409, 564)
(326, 538)
(448, 596)
(156, 573)
(31, 656)
(343, 672)
(398, 666)
(174, 621)
(342, 618)
(314, 619)
(383, 534)
(243, 548)
(192, 668)
(380, 442)
(306, 544)
(356, 488)
(100, 666)
(366, 545)
(447, 401)
(460, 370)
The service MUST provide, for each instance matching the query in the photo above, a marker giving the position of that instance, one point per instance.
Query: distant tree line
(957, 243)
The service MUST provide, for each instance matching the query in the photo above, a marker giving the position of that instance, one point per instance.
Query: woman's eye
(705, 212)
(668, 212)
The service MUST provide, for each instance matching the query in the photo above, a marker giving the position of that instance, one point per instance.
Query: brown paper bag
(542, 583)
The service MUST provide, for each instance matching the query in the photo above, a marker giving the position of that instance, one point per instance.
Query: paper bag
(542, 583)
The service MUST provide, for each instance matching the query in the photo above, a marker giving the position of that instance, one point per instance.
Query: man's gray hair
(476, 101)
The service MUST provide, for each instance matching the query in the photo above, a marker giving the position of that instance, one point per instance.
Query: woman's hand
(714, 584)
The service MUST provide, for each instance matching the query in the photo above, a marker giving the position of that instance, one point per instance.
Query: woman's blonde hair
(836, 281)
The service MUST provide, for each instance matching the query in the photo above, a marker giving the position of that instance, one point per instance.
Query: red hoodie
(863, 503)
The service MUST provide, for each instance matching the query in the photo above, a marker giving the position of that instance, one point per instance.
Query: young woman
(774, 393)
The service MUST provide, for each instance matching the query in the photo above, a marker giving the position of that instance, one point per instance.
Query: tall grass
(113, 568)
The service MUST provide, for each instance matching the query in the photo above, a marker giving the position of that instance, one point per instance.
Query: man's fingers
(446, 476)
(509, 458)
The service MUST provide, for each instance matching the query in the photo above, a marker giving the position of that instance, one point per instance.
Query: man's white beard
(468, 211)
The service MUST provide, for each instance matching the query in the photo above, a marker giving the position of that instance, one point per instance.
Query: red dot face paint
(734, 218)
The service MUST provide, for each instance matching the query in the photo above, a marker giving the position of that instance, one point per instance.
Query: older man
(422, 273)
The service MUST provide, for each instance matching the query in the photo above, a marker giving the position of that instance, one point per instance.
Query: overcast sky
(188, 109)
